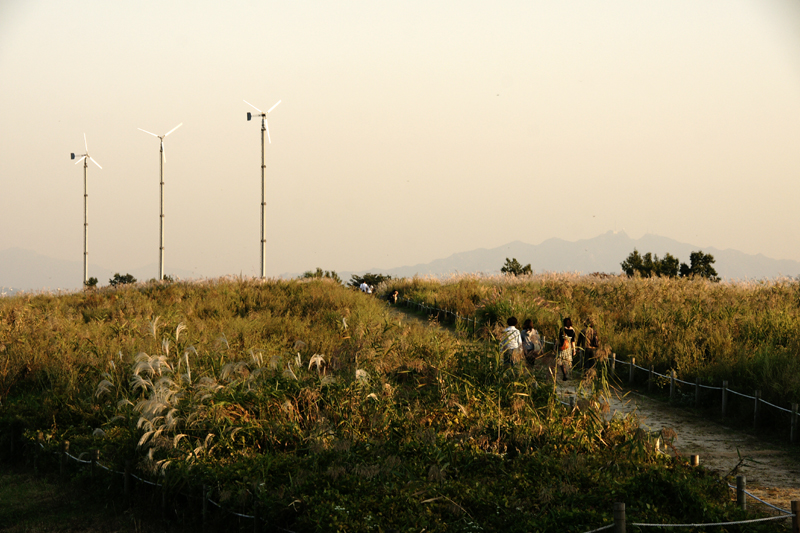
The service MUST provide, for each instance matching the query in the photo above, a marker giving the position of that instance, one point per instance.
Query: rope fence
(725, 389)
(619, 525)
(64, 454)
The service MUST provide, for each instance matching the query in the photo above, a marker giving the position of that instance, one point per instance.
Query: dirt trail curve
(772, 473)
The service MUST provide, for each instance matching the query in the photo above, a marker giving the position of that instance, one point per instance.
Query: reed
(345, 415)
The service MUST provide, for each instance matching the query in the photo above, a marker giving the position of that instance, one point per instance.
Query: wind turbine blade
(173, 129)
(140, 129)
(273, 107)
(84, 143)
(96, 163)
(254, 107)
(79, 160)
(267, 125)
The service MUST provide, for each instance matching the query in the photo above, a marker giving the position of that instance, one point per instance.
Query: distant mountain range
(26, 270)
(603, 253)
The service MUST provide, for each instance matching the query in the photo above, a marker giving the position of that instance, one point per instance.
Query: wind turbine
(85, 158)
(264, 127)
(163, 159)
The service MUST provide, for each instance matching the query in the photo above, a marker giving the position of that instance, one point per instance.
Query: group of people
(527, 344)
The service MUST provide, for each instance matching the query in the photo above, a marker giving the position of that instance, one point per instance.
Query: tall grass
(745, 332)
(326, 407)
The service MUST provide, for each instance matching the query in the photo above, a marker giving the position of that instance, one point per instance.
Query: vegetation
(744, 332)
(700, 266)
(319, 404)
(319, 274)
(370, 279)
(515, 268)
(649, 265)
(118, 280)
(91, 283)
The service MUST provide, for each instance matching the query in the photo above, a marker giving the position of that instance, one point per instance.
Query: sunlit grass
(344, 413)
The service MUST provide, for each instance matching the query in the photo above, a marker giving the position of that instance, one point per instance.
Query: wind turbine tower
(264, 127)
(85, 158)
(163, 160)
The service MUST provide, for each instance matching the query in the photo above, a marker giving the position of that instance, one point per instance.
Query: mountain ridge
(602, 253)
(25, 270)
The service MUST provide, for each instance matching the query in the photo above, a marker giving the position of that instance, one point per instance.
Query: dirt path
(772, 474)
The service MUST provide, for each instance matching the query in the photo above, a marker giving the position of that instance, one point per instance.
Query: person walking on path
(589, 342)
(565, 348)
(512, 342)
(531, 342)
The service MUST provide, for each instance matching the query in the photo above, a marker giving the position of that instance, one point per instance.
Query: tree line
(650, 265)
(647, 265)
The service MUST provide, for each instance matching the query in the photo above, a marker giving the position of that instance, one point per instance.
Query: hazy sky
(407, 132)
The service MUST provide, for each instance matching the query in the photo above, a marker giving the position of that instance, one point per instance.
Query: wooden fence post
(672, 385)
(741, 497)
(619, 517)
(724, 398)
(697, 392)
(650, 379)
(757, 409)
(793, 427)
(795, 519)
(694, 460)
(613, 365)
(630, 370)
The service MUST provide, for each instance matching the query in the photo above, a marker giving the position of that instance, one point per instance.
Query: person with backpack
(531, 341)
(565, 349)
(512, 342)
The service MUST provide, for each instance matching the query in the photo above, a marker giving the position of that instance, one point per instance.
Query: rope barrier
(742, 395)
(600, 529)
(714, 524)
(234, 513)
(776, 407)
(760, 500)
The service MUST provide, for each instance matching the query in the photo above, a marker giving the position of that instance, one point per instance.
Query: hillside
(317, 406)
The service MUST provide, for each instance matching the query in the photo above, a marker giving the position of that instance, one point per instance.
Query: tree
(91, 283)
(514, 267)
(649, 265)
(319, 273)
(370, 279)
(666, 267)
(700, 266)
(121, 280)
